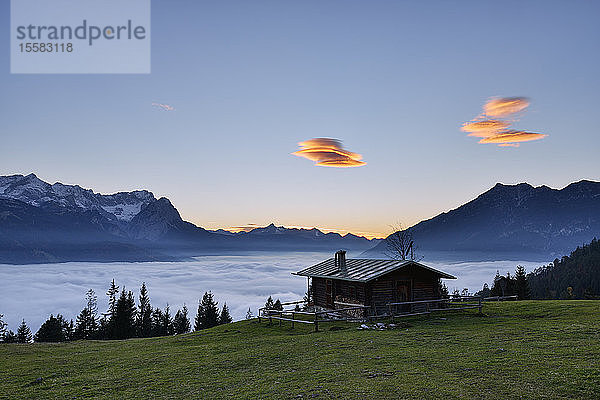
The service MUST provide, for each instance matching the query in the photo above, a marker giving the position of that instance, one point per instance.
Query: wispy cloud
(505, 106)
(328, 152)
(494, 123)
(165, 107)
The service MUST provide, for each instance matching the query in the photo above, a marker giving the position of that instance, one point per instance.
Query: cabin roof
(362, 269)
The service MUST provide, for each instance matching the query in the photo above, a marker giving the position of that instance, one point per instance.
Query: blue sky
(394, 81)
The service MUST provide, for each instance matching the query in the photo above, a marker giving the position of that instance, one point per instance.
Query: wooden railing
(449, 304)
(317, 316)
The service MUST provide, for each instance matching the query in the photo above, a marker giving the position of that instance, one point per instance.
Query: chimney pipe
(340, 260)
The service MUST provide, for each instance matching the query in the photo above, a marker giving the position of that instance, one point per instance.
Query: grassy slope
(527, 349)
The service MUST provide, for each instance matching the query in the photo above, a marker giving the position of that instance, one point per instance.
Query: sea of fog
(33, 292)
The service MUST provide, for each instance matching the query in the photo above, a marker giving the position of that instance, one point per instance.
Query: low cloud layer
(493, 125)
(33, 292)
(327, 152)
(165, 107)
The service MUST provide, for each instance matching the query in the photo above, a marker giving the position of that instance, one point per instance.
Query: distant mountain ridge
(512, 222)
(42, 222)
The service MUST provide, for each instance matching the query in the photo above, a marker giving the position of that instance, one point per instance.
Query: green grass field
(529, 349)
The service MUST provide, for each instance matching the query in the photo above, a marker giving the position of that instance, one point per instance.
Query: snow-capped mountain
(122, 206)
(42, 222)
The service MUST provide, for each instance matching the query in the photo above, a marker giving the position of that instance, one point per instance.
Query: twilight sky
(393, 81)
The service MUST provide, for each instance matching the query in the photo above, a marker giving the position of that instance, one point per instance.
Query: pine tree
(269, 304)
(278, 306)
(9, 337)
(167, 321)
(86, 326)
(23, 333)
(225, 317)
(112, 293)
(157, 323)
(124, 316)
(55, 329)
(522, 286)
(208, 313)
(249, 314)
(2, 326)
(144, 319)
(181, 322)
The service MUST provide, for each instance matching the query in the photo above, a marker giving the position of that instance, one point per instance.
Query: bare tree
(400, 244)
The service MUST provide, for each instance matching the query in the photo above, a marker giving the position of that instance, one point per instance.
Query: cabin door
(403, 293)
(329, 293)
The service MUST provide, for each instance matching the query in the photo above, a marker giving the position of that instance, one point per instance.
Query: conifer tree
(167, 321)
(55, 329)
(157, 323)
(112, 293)
(9, 337)
(269, 304)
(181, 322)
(522, 286)
(208, 313)
(123, 322)
(144, 318)
(225, 317)
(278, 306)
(23, 333)
(86, 326)
(249, 314)
(2, 326)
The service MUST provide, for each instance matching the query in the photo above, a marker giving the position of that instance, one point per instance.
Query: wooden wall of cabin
(343, 291)
(423, 286)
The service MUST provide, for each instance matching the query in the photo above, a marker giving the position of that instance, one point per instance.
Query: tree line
(123, 319)
(515, 285)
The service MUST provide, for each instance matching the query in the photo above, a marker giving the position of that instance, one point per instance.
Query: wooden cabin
(373, 283)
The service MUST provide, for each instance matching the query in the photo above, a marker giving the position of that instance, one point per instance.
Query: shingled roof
(362, 270)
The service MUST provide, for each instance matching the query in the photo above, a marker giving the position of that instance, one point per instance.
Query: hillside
(529, 349)
(576, 276)
(519, 222)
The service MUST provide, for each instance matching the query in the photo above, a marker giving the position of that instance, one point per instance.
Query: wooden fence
(394, 310)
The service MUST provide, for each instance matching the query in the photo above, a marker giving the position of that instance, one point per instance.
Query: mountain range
(511, 222)
(42, 222)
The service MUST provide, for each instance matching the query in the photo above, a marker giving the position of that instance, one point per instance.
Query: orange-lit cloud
(504, 106)
(165, 107)
(493, 126)
(484, 128)
(327, 152)
(513, 137)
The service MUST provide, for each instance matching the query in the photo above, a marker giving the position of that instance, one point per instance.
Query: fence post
(390, 311)
(293, 319)
(280, 316)
(316, 322)
(259, 315)
(480, 305)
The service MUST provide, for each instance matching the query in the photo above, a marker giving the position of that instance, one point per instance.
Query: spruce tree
(225, 317)
(167, 321)
(9, 337)
(278, 306)
(112, 293)
(522, 286)
(55, 329)
(86, 326)
(269, 304)
(208, 313)
(181, 322)
(249, 314)
(2, 326)
(23, 333)
(157, 323)
(144, 318)
(124, 316)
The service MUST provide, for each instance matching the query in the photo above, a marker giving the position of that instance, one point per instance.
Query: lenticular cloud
(493, 125)
(327, 152)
